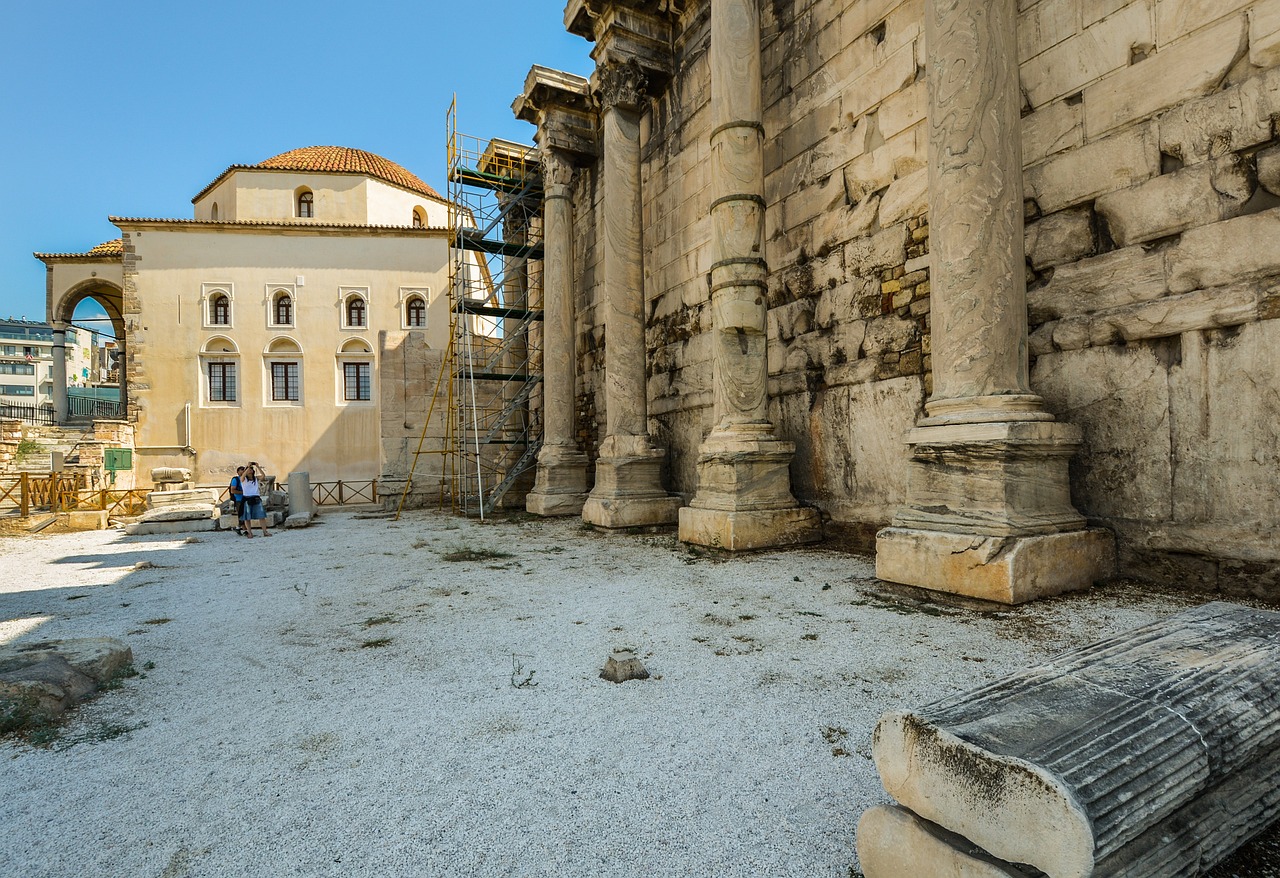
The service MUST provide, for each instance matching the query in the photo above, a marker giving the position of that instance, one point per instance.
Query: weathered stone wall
(409, 376)
(1153, 173)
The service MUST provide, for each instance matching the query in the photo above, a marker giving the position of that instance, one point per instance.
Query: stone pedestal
(561, 484)
(628, 489)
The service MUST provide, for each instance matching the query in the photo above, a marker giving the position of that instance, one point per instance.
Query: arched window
(283, 360)
(419, 218)
(220, 310)
(355, 312)
(213, 212)
(306, 204)
(355, 365)
(220, 362)
(283, 310)
(415, 313)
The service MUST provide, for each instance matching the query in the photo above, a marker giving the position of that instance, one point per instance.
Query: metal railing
(88, 407)
(32, 414)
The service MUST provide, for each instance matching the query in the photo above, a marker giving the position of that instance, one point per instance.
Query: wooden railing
(123, 501)
(33, 492)
(342, 492)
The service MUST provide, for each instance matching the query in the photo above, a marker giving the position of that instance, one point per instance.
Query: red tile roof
(105, 250)
(335, 160)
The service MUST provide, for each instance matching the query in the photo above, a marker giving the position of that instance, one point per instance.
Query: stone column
(744, 496)
(989, 509)
(628, 489)
(59, 352)
(559, 104)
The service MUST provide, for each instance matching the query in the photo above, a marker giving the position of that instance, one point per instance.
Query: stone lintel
(744, 530)
(893, 842)
(1151, 753)
(1007, 569)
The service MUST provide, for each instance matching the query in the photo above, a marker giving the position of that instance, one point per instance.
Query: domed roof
(345, 160)
(336, 160)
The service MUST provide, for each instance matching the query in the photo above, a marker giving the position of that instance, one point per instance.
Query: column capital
(560, 105)
(621, 85)
(625, 31)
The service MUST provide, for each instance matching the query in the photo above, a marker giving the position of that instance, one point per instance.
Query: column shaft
(59, 351)
(977, 271)
(560, 366)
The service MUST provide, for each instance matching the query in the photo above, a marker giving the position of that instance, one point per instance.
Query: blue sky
(131, 109)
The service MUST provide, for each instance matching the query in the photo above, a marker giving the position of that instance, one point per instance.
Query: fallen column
(1153, 753)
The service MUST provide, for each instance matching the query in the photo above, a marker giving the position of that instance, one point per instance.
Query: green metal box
(117, 459)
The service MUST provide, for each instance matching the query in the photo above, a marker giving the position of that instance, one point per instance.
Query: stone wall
(1152, 172)
(10, 439)
(409, 375)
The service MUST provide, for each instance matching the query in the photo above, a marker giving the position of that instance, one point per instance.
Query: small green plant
(519, 679)
(118, 678)
(27, 447)
(376, 643)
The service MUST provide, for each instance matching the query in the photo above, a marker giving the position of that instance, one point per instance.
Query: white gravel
(266, 738)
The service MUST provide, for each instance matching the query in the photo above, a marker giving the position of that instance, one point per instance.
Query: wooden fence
(36, 492)
(341, 492)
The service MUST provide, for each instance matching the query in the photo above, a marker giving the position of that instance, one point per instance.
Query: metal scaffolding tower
(495, 289)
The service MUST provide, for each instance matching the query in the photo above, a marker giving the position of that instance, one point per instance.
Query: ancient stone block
(1119, 397)
(1087, 56)
(1060, 237)
(1268, 161)
(1177, 18)
(622, 666)
(196, 496)
(1118, 278)
(1069, 765)
(1195, 196)
(1228, 252)
(894, 843)
(1050, 129)
(1227, 121)
(1115, 162)
(1186, 69)
(905, 197)
(1264, 35)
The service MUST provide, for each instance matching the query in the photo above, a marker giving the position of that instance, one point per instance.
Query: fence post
(102, 500)
(24, 495)
(340, 499)
(373, 489)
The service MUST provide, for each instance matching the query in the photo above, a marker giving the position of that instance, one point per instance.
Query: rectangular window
(17, 369)
(16, 390)
(284, 382)
(222, 382)
(356, 383)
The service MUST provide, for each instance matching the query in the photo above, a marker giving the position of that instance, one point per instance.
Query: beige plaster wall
(392, 206)
(269, 195)
(1153, 188)
(171, 272)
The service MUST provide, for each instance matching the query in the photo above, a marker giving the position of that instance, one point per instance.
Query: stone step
(1067, 765)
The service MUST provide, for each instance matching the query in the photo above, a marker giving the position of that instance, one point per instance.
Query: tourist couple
(246, 491)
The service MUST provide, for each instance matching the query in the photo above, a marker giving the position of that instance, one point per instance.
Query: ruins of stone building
(823, 244)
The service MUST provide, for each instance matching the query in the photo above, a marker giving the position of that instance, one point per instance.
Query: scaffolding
(494, 360)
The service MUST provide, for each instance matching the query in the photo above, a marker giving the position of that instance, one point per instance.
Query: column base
(1007, 570)
(744, 496)
(561, 484)
(628, 490)
(745, 530)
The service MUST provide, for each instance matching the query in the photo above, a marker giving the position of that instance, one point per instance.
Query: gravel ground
(346, 701)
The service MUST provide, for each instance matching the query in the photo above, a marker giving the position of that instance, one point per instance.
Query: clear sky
(130, 110)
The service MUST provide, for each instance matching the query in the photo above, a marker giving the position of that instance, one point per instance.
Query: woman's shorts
(253, 510)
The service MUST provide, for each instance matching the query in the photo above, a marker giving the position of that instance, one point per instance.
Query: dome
(345, 160)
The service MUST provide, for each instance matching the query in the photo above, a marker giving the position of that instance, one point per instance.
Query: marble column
(628, 489)
(744, 496)
(988, 511)
(59, 353)
(561, 484)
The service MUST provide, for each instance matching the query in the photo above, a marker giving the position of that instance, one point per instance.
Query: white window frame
(208, 357)
(347, 353)
(345, 295)
(269, 359)
(402, 305)
(273, 291)
(207, 292)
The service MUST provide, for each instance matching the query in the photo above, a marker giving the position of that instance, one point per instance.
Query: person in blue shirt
(237, 494)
